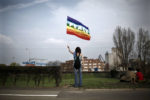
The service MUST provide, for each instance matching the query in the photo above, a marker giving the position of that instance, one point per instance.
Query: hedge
(38, 72)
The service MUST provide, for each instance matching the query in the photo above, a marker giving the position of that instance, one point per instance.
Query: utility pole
(13, 59)
(28, 51)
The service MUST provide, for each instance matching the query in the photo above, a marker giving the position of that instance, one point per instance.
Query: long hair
(78, 50)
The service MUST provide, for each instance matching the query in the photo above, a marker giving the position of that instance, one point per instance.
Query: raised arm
(69, 50)
(82, 59)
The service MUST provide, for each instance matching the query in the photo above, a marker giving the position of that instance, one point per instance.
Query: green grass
(21, 82)
(90, 80)
(97, 80)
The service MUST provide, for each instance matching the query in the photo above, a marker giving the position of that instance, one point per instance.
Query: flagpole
(66, 45)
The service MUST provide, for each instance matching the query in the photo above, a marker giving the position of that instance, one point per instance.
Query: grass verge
(90, 80)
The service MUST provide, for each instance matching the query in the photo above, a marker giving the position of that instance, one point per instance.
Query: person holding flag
(78, 29)
(77, 65)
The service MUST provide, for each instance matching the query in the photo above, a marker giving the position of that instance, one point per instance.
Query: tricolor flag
(76, 28)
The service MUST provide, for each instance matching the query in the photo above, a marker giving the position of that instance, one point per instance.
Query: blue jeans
(78, 77)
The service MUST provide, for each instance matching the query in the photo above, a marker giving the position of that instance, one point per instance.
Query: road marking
(28, 95)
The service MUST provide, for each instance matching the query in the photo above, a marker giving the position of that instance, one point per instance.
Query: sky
(37, 28)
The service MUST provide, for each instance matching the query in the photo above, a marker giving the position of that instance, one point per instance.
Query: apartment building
(88, 65)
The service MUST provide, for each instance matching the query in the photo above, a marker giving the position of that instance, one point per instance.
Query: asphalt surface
(74, 94)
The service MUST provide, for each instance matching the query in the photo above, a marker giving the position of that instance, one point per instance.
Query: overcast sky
(40, 26)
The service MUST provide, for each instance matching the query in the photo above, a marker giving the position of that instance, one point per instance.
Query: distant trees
(53, 63)
(124, 40)
(2, 64)
(14, 64)
(143, 46)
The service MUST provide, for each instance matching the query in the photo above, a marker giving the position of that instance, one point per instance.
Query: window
(94, 63)
(85, 70)
(85, 67)
(85, 64)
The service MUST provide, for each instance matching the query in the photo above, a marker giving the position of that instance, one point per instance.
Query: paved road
(74, 94)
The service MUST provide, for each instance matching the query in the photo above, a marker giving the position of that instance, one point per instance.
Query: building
(91, 65)
(30, 65)
(88, 65)
(36, 62)
(67, 66)
(112, 59)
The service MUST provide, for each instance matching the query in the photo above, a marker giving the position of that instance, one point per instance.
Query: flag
(78, 29)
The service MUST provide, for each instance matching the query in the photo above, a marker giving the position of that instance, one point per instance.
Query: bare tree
(143, 46)
(124, 42)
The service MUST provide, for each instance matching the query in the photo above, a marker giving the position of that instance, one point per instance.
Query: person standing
(77, 65)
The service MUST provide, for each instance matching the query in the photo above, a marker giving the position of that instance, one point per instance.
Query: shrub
(114, 73)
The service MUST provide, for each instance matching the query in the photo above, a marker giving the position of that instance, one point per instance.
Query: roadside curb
(77, 89)
(123, 89)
